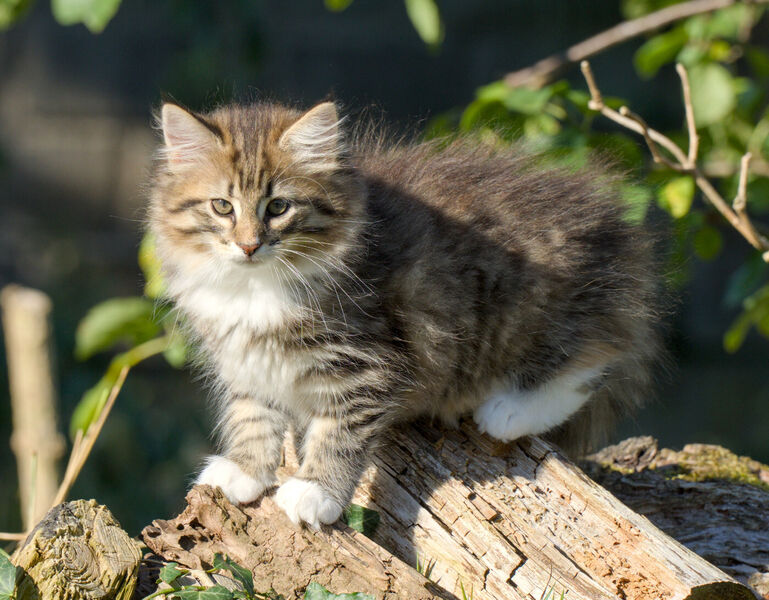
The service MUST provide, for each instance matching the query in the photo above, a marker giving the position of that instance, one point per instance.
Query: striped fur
(402, 280)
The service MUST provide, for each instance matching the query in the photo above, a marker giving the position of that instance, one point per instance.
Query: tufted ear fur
(188, 139)
(316, 138)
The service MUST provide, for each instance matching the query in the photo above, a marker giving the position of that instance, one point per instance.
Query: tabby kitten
(338, 286)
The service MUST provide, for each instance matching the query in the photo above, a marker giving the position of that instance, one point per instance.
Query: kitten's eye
(223, 207)
(277, 206)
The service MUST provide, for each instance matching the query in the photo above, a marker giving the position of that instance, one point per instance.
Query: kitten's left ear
(316, 137)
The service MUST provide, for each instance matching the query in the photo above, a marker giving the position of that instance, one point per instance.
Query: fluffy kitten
(339, 286)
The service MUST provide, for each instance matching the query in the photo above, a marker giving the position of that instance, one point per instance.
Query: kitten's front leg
(333, 455)
(251, 435)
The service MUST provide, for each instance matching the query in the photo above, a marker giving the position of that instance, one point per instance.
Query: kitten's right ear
(188, 138)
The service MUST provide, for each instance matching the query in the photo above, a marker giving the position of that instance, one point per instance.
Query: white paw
(307, 501)
(502, 418)
(240, 488)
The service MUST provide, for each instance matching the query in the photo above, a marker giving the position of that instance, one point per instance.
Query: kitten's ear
(316, 137)
(188, 139)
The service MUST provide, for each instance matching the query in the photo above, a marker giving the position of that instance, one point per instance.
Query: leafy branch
(736, 215)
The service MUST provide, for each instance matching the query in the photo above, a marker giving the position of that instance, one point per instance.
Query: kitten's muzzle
(249, 249)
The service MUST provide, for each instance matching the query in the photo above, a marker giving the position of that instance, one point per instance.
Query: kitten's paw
(304, 500)
(239, 488)
(502, 418)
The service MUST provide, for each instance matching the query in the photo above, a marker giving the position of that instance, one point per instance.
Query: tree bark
(483, 519)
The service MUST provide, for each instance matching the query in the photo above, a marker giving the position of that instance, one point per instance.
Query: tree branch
(548, 68)
(684, 163)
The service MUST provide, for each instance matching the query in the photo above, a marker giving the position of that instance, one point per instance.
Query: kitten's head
(245, 187)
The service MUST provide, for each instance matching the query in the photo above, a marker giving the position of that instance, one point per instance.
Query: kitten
(340, 286)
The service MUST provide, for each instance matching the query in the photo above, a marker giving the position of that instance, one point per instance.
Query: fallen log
(483, 520)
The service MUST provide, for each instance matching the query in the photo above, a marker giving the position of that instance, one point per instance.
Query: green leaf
(677, 196)
(8, 575)
(170, 573)
(426, 18)
(713, 93)
(116, 320)
(94, 14)
(758, 59)
(707, 242)
(337, 5)
(176, 351)
(154, 286)
(361, 519)
(736, 334)
(11, 11)
(315, 591)
(527, 100)
(755, 313)
(239, 573)
(745, 280)
(659, 50)
(89, 407)
(217, 592)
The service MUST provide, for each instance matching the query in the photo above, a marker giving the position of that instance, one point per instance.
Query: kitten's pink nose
(249, 249)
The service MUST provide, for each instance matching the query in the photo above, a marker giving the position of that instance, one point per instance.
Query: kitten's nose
(249, 249)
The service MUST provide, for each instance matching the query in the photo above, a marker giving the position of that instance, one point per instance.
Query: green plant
(8, 577)
(425, 568)
(172, 587)
(728, 81)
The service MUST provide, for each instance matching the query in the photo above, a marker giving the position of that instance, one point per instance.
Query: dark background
(75, 146)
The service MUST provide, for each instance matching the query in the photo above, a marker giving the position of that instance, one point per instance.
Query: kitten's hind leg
(251, 436)
(511, 413)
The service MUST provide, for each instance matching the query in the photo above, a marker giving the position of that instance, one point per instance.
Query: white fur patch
(306, 501)
(239, 488)
(510, 414)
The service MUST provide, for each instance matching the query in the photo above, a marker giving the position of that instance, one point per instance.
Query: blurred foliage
(142, 323)
(729, 79)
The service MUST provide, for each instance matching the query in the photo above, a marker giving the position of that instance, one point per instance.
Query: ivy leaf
(217, 592)
(361, 519)
(7, 576)
(94, 14)
(170, 573)
(113, 321)
(239, 573)
(315, 591)
(426, 19)
(659, 50)
(677, 196)
(713, 93)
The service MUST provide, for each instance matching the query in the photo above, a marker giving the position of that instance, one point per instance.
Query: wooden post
(35, 440)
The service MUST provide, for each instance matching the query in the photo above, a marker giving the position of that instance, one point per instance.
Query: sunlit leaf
(659, 50)
(11, 11)
(315, 591)
(361, 519)
(112, 321)
(526, 100)
(337, 5)
(217, 592)
(426, 18)
(170, 573)
(149, 263)
(239, 573)
(94, 14)
(177, 350)
(677, 196)
(713, 95)
(90, 405)
(636, 199)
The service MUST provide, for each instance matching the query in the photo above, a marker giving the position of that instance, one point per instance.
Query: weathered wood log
(714, 502)
(484, 519)
(36, 441)
(78, 551)
(280, 555)
(512, 521)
